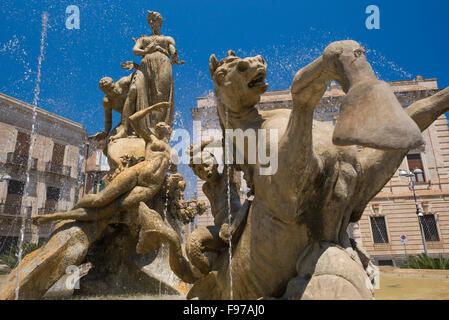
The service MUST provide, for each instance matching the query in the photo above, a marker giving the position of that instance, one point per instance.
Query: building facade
(389, 228)
(54, 174)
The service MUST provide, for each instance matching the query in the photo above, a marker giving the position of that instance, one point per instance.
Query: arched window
(415, 162)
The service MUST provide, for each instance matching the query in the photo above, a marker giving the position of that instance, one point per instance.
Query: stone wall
(17, 116)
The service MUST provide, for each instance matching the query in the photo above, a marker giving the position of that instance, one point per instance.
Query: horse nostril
(243, 66)
(261, 59)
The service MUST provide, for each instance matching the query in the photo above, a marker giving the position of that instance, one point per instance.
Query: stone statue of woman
(153, 82)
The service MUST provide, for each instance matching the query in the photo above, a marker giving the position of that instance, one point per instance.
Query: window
(415, 162)
(429, 226)
(16, 187)
(7, 243)
(13, 203)
(53, 193)
(95, 186)
(379, 228)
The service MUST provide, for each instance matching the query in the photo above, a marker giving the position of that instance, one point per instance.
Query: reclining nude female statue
(130, 190)
(133, 185)
(294, 243)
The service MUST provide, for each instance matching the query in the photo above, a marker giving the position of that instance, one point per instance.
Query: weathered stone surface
(4, 269)
(371, 116)
(117, 268)
(336, 276)
(43, 267)
(159, 269)
(110, 246)
(294, 244)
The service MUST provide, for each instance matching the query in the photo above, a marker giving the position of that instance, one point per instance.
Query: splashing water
(230, 237)
(30, 153)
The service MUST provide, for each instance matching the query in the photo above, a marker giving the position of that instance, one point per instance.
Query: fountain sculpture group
(289, 238)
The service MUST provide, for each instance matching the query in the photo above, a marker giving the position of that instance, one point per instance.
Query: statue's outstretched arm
(107, 117)
(379, 166)
(426, 111)
(134, 119)
(138, 49)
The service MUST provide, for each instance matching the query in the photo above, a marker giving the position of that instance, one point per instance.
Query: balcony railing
(45, 210)
(58, 168)
(20, 160)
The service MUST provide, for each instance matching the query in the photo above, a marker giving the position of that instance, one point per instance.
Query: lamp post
(4, 177)
(412, 177)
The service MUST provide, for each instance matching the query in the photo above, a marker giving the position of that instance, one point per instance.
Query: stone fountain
(288, 239)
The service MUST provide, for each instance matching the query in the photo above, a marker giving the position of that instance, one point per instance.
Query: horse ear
(213, 64)
(231, 53)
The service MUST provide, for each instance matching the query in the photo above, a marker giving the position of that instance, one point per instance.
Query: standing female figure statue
(153, 81)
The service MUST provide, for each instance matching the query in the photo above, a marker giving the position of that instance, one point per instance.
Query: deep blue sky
(413, 39)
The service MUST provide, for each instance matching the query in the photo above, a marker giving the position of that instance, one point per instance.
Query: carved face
(238, 82)
(182, 185)
(207, 170)
(162, 130)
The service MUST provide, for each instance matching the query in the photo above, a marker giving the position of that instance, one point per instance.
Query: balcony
(10, 209)
(20, 160)
(58, 169)
(13, 210)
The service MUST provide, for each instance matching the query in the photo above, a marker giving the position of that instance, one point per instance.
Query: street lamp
(412, 176)
(5, 177)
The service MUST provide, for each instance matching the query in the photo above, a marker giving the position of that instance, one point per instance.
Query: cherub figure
(193, 208)
(223, 208)
(120, 98)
